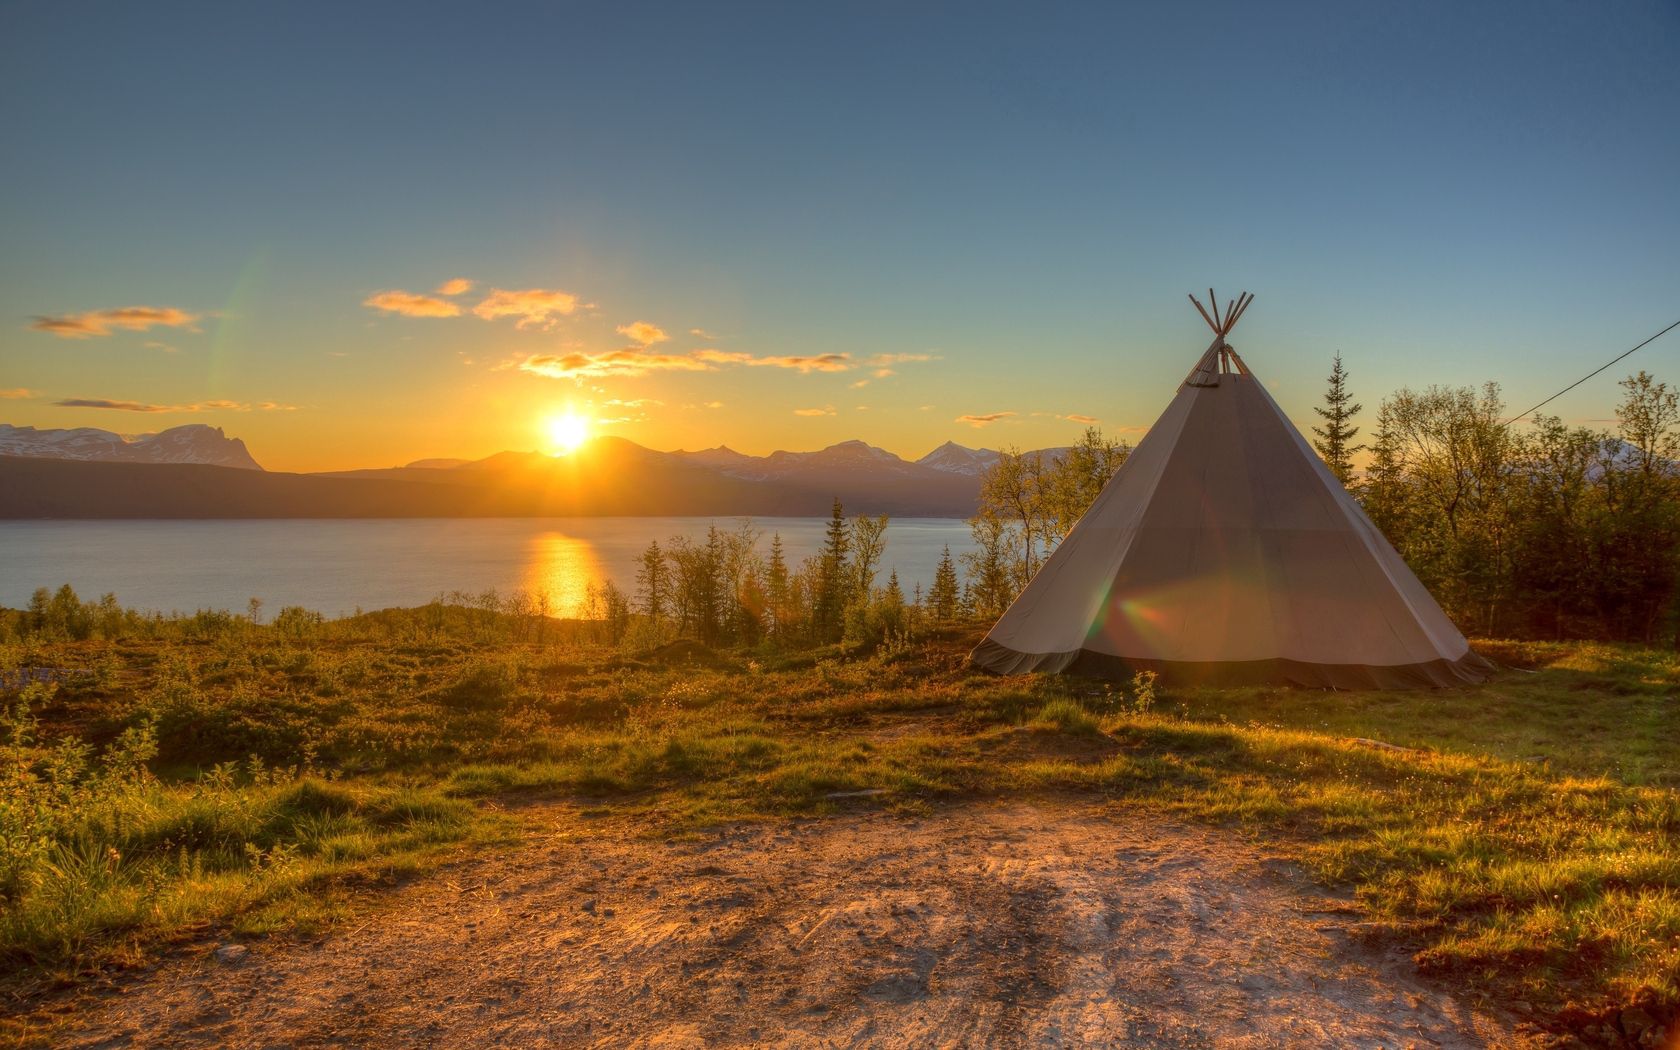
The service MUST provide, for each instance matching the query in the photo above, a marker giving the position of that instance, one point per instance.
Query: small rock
(1635, 1021)
(230, 954)
(589, 906)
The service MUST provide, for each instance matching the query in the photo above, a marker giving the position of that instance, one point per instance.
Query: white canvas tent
(1224, 551)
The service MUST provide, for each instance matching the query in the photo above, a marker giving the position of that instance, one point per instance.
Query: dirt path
(1060, 924)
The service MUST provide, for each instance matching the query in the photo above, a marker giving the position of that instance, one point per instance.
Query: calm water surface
(336, 566)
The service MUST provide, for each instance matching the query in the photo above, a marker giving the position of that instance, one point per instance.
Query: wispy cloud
(712, 404)
(701, 333)
(643, 332)
(986, 419)
(153, 344)
(199, 406)
(859, 385)
(104, 322)
(534, 307)
(408, 304)
(17, 393)
(880, 360)
(454, 286)
(120, 406)
(639, 402)
(626, 363)
(1075, 417)
(806, 365)
(826, 410)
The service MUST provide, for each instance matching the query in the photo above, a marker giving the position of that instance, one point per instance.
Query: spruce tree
(653, 583)
(776, 588)
(943, 598)
(829, 609)
(1335, 438)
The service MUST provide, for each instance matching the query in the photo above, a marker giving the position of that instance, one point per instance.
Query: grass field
(1523, 837)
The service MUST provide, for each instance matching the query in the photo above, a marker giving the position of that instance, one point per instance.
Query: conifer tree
(829, 609)
(944, 596)
(1335, 438)
(652, 582)
(776, 593)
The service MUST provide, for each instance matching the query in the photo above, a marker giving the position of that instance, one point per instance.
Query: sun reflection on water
(561, 567)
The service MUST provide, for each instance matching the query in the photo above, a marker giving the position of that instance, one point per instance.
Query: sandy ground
(1065, 924)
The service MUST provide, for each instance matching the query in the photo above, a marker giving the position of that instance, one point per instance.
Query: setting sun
(566, 432)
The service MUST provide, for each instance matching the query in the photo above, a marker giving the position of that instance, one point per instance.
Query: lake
(338, 566)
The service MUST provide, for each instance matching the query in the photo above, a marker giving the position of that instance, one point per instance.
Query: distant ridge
(198, 472)
(192, 443)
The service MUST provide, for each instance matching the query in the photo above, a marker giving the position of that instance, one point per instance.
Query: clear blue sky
(1447, 193)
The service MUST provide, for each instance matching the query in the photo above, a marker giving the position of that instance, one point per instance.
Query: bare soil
(1055, 924)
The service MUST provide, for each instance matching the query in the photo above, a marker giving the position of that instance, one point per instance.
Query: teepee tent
(1225, 552)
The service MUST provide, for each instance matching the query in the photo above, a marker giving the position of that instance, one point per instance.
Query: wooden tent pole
(1240, 310)
(1205, 316)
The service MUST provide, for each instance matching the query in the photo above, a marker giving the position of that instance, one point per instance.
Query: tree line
(1546, 530)
(726, 589)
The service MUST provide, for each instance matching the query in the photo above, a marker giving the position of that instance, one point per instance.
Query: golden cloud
(984, 420)
(104, 322)
(535, 307)
(454, 286)
(826, 410)
(626, 363)
(199, 406)
(409, 304)
(120, 406)
(805, 365)
(643, 332)
(900, 359)
(16, 393)
(1075, 417)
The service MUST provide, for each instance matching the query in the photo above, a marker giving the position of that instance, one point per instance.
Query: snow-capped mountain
(723, 458)
(957, 459)
(848, 457)
(193, 443)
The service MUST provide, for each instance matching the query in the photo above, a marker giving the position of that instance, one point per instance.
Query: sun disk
(566, 433)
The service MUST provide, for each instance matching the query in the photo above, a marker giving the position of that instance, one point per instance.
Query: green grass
(1528, 845)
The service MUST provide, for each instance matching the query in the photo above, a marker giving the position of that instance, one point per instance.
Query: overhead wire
(1594, 372)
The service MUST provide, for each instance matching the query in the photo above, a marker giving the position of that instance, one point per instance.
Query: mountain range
(198, 472)
(194, 443)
